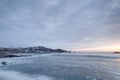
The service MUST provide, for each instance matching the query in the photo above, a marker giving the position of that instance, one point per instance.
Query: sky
(67, 24)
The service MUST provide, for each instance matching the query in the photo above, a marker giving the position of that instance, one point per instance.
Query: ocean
(62, 66)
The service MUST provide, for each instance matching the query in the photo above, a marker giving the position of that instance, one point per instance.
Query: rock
(116, 52)
(6, 55)
(4, 63)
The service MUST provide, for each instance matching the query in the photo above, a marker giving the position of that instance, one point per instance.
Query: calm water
(64, 66)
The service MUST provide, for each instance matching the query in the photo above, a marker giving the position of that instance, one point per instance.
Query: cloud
(59, 23)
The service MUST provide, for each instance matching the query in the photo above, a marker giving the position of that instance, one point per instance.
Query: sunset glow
(105, 48)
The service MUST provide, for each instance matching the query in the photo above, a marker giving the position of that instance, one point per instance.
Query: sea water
(62, 66)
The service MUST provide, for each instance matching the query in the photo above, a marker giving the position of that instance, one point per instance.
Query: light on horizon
(105, 48)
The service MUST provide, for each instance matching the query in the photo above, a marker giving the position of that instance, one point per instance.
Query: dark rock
(6, 55)
(4, 63)
(116, 52)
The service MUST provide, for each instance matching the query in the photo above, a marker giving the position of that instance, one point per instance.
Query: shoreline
(8, 55)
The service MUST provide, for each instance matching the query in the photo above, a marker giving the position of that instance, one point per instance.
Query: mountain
(37, 49)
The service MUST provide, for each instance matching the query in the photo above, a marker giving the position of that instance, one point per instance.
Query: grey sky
(59, 23)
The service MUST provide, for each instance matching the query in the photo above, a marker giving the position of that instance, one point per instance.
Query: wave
(87, 55)
(97, 56)
(14, 75)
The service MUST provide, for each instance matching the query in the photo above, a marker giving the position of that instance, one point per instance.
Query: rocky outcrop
(116, 52)
(5, 55)
(4, 63)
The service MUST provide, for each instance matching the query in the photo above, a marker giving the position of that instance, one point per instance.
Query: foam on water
(13, 75)
(22, 60)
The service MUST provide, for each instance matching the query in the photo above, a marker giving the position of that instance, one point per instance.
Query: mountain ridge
(36, 49)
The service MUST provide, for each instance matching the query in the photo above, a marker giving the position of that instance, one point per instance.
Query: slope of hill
(38, 49)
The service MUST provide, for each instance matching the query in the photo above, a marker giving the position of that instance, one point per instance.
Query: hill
(37, 49)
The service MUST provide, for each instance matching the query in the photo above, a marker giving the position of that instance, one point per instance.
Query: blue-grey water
(63, 66)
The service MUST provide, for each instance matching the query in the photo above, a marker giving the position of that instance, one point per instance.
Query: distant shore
(116, 52)
(36, 49)
(16, 52)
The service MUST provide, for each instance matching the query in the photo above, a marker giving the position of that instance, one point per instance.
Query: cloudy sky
(67, 24)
